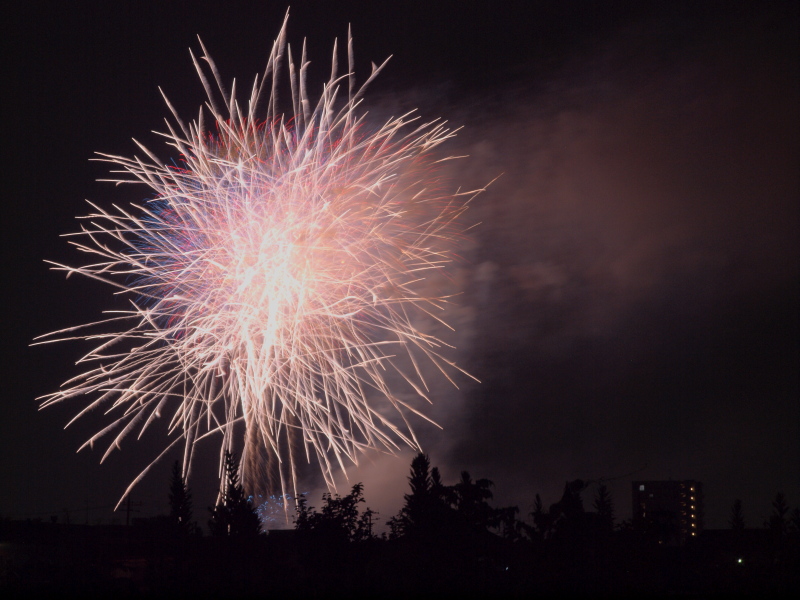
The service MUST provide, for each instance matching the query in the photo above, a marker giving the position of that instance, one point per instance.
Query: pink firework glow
(274, 280)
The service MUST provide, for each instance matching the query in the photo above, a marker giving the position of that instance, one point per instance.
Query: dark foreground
(149, 560)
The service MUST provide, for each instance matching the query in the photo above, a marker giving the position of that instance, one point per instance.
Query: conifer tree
(180, 502)
(737, 518)
(604, 506)
(234, 515)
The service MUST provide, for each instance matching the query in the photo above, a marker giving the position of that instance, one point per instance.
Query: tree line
(448, 539)
(433, 509)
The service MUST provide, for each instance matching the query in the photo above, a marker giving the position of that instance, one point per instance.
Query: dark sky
(629, 300)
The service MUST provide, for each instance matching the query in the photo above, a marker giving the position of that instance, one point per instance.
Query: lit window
(693, 533)
(692, 509)
(694, 525)
(691, 488)
(641, 488)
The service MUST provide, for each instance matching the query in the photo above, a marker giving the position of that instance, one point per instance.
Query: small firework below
(274, 279)
(272, 510)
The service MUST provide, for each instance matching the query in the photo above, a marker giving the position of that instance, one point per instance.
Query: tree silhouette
(541, 521)
(339, 520)
(567, 518)
(510, 527)
(794, 522)
(737, 518)
(444, 493)
(420, 511)
(180, 502)
(234, 515)
(777, 519)
(604, 506)
(364, 530)
(434, 511)
(471, 502)
(304, 514)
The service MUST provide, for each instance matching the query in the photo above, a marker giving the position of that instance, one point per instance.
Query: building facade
(669, 511)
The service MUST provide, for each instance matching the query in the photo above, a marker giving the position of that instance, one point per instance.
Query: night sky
(628, 301)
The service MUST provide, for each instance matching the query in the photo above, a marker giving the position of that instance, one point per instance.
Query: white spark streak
(274, 279)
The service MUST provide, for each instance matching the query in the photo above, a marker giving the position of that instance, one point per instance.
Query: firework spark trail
(274, 278)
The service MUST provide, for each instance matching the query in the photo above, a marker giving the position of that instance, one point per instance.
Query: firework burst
(274, 279)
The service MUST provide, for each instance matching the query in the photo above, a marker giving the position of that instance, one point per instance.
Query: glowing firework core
(274, 278)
